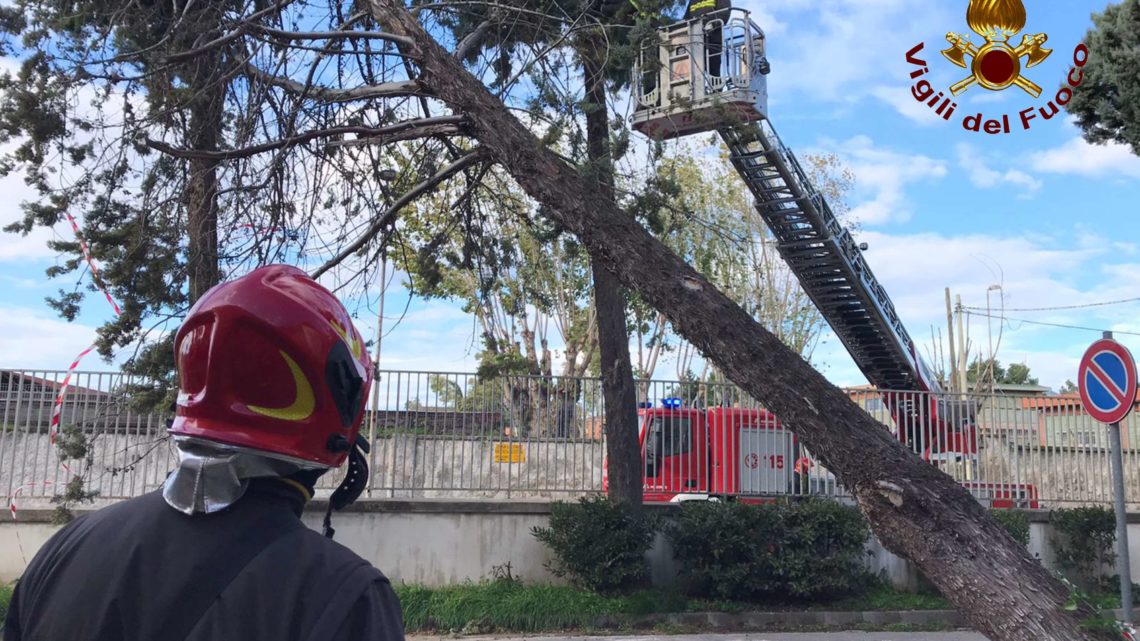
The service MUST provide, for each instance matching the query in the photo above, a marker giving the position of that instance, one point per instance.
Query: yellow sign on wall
(509, 453)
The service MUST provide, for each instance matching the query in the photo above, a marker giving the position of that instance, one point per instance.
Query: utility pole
(372, 424)
(991, 368)
(961, 348)
(950, 344)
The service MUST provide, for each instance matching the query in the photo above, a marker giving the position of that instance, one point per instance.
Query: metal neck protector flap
(213, 476)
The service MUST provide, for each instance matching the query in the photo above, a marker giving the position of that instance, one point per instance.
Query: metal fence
(448, 435)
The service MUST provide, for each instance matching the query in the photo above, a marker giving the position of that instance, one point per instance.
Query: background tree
(524, 283)
(1107, 104)
(1016, 374)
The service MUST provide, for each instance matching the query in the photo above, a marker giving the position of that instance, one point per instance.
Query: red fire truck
(744, 454)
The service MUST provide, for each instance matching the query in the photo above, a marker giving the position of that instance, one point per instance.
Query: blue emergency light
(644, 405)
(671, 403)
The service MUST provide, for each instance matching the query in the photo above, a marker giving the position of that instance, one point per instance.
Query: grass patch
(5, 597)
(500, 605)
(884, 597)
(511, 606)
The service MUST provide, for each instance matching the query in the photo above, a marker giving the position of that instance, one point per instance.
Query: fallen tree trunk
(914, 509)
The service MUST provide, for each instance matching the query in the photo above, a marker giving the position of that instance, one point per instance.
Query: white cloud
(32, 338)
(434, 336)
(1032, 272)
(973, 162)
(1083, 159)
(22, 283)
(881, 176)
(842, 50)
(903, 102)
(16, 247)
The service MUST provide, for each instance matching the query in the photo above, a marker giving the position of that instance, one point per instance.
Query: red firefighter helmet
(271, 361)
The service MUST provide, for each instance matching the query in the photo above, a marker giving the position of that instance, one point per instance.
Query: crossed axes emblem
(996, 65)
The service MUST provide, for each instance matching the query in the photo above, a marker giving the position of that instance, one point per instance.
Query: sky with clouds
(1047, 217)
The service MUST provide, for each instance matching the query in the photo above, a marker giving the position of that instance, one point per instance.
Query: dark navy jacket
(141, 571)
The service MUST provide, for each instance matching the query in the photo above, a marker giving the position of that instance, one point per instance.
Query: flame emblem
(996, 65)
(349, 337)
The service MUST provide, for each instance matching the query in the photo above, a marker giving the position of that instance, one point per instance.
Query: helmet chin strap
(355, 480)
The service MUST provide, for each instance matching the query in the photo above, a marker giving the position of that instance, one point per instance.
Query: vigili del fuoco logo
(995, 65)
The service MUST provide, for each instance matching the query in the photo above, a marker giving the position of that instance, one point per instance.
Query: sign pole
(1123, 563)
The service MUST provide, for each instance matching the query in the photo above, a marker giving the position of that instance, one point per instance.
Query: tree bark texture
(206, 111)
(915, 510)
(623, 447)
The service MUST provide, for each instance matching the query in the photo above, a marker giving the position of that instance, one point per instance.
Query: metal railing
(453, 435)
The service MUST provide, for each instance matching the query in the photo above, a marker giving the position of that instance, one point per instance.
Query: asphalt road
(759, 636)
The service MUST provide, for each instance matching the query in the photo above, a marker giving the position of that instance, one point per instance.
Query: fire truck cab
(719, 453)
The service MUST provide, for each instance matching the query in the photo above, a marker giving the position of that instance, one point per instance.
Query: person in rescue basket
(714, 38)
(273, 379)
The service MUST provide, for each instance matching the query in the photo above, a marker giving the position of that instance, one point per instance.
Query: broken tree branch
(383, 90)
(389, 215)
(472, 40)
(406, 130)
(240, 30)
(328, 35)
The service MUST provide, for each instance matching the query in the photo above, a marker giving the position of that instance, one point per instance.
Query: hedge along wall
(445, 542)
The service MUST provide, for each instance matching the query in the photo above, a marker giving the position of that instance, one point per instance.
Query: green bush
(1112, 586)
(1083, 539)
(823, 550)
(598, 544)
(724, 549)
(1016, 522)
(806, 551)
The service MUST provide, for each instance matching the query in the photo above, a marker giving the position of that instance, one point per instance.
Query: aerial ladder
(674, 96)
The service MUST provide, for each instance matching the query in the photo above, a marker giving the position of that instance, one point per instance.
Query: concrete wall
(445, 542)
(409, 466)
(441, 543)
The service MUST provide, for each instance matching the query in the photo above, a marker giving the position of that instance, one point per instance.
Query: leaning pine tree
(914, 509)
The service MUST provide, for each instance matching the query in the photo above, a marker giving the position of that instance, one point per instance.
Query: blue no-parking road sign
(1107, 381)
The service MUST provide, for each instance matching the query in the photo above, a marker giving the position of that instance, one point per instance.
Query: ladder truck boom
(825, 258)
(674, 97)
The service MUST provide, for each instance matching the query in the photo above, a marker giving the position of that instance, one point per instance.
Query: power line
(1029, 322)
(1054, 309)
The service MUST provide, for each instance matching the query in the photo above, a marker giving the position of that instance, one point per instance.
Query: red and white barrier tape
(57, 407)
(91, 264)
(12, 499)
